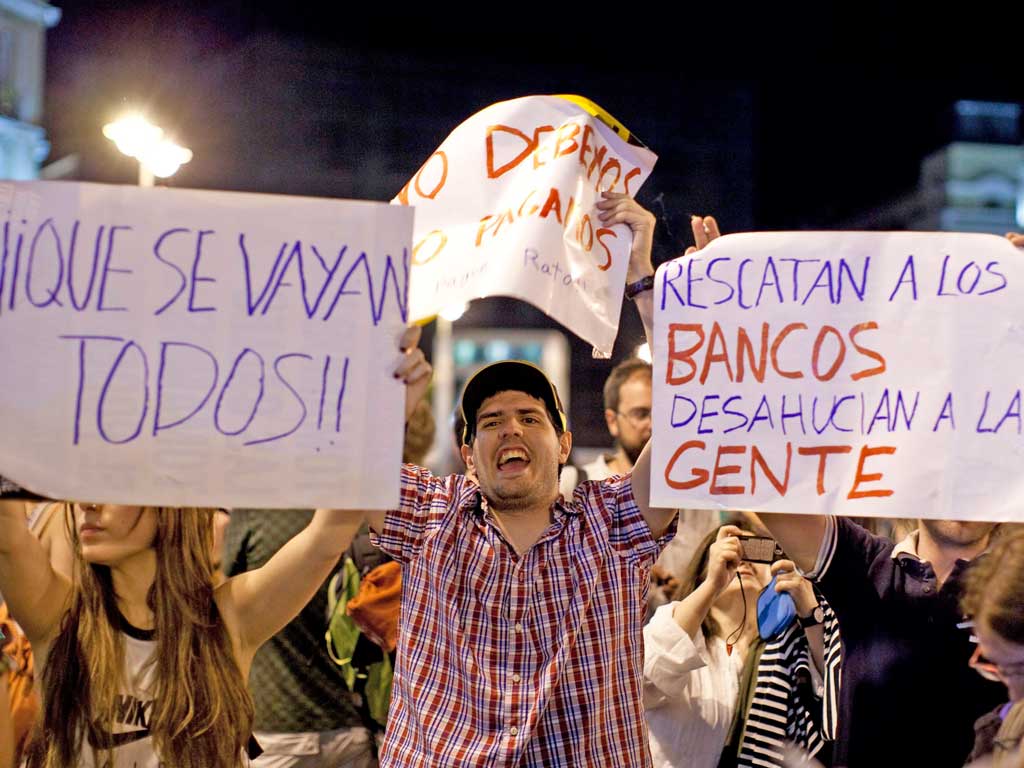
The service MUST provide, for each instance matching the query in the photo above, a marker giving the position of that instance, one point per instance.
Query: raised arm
(618, 208)
(799, 535)
(259, 603)
(415, 372)
(724, 558)
(36, 594)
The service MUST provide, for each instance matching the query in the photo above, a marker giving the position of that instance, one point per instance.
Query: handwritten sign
(853, 373)
(505, 207)
(172, 347)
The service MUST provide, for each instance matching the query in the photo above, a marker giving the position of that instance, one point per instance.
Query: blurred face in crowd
(631, 424)
(753, 578)
(516, 451)
(109, 534)
(1000, 659)
(957, 533)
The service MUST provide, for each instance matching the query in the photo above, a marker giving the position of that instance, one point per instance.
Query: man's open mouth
(513, 458)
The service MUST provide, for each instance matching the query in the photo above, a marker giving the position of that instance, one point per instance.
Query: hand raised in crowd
(1016, 238)
(724, 558)
(413, 368)
(620, 208)
(787, 579)
(705, 229)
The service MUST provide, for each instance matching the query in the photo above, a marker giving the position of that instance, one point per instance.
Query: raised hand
(724, 558)
(620, 208)
(413, 368)
(705, 229)
(787, 579)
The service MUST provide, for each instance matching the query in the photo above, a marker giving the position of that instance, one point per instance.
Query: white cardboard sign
(874, 374)
(505, 207)
(185, 348)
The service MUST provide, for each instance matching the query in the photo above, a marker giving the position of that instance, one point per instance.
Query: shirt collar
(907, 547)
(472, 501)
(907, 550)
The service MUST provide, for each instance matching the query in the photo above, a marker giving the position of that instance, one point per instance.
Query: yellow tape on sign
(602, 115)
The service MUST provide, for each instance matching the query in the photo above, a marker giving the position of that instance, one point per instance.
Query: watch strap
(641, 285)
(813, 619)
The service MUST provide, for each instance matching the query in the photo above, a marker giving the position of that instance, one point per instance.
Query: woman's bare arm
(257, 604)
(36, 594)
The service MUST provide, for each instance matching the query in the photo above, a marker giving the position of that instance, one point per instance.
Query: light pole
(158, 156)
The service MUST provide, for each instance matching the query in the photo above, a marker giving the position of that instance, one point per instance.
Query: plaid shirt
(506, 660)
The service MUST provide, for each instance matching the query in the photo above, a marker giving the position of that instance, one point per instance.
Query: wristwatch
(635, 289)
(815, 617)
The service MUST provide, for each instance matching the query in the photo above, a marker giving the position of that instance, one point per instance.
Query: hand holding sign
(619, 208)
(188, 348)
(507, 206)
(413, 370)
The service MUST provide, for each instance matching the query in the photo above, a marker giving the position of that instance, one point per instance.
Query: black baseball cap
(505, 376)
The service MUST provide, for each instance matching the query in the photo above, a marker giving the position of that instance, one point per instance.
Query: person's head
(958, 534)
(994, 599)
(627, 405)
(202, 713)
(754, 576)
(111, 534)
(515, 439)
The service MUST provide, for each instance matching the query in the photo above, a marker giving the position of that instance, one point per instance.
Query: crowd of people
(493, 618)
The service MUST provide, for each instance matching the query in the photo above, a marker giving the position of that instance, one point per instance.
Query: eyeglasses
(636, 416)
(992, 671)
(987, 668)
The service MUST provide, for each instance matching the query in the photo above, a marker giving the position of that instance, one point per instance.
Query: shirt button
(519, 627)
(516, 678)
(927, 590)
(513, 730)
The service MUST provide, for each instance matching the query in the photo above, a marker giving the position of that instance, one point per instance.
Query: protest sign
(872, 374)
(173, 347)
(505, 207)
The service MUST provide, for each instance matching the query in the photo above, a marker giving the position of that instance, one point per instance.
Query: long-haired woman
(144, 662)
(702, 654)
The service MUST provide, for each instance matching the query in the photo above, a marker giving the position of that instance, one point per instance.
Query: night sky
(805, 119)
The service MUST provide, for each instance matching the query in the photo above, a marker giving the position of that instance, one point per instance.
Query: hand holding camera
(724, 557)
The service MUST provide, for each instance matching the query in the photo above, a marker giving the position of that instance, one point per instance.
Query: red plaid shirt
(518, 661)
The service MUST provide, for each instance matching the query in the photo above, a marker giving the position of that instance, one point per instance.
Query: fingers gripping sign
(413, 369)
(620, 208)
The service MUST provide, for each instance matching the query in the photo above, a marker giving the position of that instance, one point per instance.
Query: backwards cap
(509, 375)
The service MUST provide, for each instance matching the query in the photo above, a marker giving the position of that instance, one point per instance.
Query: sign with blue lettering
(185, 348)
(859, 373)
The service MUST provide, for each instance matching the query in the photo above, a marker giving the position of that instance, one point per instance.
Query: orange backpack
(20, 671)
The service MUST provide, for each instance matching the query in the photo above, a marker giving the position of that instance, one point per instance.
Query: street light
(136, 137)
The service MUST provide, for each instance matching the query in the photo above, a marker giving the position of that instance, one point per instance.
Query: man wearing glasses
(627, 411)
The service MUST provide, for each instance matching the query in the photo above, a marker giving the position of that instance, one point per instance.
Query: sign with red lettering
(505, 207)
(192, 348)
(855, 373)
